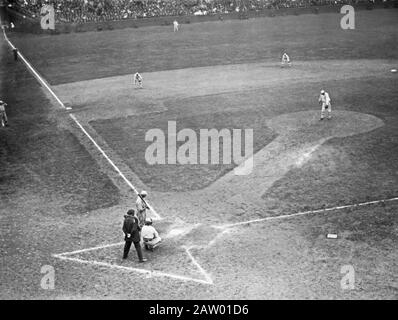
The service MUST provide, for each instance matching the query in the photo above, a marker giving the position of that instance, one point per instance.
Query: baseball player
(141, 208)
(175, 24)
(286, 60)
(137, 78)
(3, 114)
(150, 235)
(324, 100)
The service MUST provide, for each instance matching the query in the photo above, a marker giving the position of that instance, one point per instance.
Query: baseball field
(75, 154)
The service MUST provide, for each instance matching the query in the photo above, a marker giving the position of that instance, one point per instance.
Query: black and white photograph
(199, 150)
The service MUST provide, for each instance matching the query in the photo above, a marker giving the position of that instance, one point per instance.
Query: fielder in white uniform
(286, 60)
(324, 100)
(137, 78)
(175, 24)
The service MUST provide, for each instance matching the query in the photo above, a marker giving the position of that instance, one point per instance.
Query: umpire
(131, 231)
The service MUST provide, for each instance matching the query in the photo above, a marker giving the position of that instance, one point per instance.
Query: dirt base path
(115, 97)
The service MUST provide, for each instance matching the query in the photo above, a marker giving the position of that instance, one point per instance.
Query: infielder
(137, 78)
(141, 208)
(324, 100)
(3, 114)
(286, 60)
(175, 24)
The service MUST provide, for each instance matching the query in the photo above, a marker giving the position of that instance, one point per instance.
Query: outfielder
(324, 100)
(3, 114)
(137, 78)
(175, 24)
(286, 60)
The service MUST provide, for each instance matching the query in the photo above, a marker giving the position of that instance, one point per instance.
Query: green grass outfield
(209, 75)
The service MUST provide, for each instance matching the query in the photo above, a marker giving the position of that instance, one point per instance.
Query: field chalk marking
(157, 216)
(304, 213)
(35, 73)
(65, 256)
(203, 271)
(153, 273)
(45, 84)
(90, 249)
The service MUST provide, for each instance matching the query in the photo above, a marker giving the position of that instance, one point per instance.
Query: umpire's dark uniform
(131, 231)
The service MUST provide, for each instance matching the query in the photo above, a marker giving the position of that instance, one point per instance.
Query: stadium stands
(80, 11)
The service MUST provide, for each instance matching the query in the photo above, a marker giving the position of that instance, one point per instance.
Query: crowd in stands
(80, 11)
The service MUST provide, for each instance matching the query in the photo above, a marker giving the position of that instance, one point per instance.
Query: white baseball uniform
(137, 80)
(326, 104)
(285, 59)
(150, 235)
(175, 24)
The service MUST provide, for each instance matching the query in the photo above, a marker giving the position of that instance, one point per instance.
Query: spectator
(78, 11)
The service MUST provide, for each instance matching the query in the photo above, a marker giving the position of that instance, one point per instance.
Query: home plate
(179, 228)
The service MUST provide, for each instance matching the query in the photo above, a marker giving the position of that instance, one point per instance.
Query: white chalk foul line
(45, 84)
(157, 216)
(90, 249)
(153, 273)
(286, 216)
(35, 73)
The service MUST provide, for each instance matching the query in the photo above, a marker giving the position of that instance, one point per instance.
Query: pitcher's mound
(342, 124)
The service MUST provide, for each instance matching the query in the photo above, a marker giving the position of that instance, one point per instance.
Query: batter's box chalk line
(68, 256)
